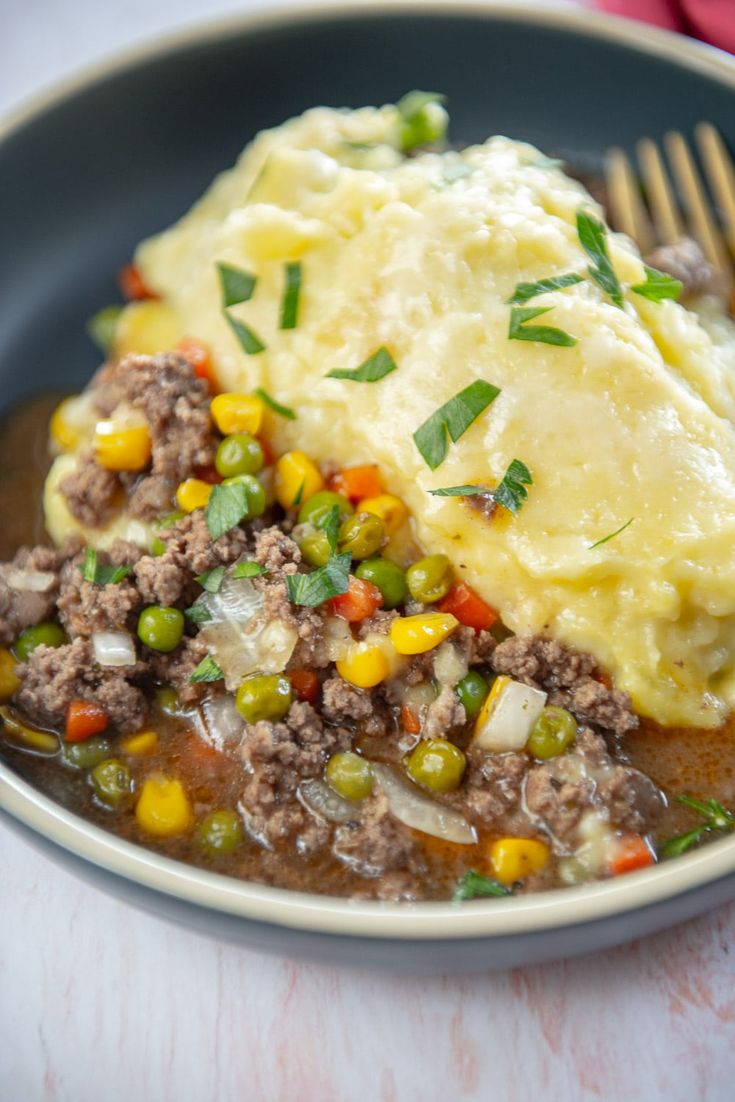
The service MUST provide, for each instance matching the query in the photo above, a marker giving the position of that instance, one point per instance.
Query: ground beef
(344, 703)
(376, 844)
(685, 260)
(493, 786)
(277, 756)
(85, 607)
(176, 668)
(92, 493)
(190, 550)
(567, 675)
(444, 715)
(53, 677)
(280, 556)
(377, 624)
(22, 608)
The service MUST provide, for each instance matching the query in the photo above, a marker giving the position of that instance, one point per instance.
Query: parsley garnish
(544, 334)
(272, 404)
(329, 524)
(420, 125)
(198, 612)
(207, 670)
(320, 585)
(512, 492)
(658, 286)
(715, 819)
(212, 580)
(248, 570)
(376, 367)
(453, 418)
(474, 885)
(249, 341)
(461, 491)
(290, 304)
(237, 285)
(95, 571)
(227, 506)
(612, 535)
(526, 291)
(592, 238)
(299, 495)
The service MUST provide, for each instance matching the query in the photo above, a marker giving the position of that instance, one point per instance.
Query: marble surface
(98, 1001)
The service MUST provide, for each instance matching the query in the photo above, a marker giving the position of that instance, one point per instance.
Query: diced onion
(508, 716)
(323, 802)
(222, 723)
(113, 648)
(30, 581)
(338, 638)
(417, 811)
(449, 665)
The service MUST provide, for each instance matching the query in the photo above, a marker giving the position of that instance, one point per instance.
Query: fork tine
(721, 176)
(660, 196)
(628, 211)
(690, 186)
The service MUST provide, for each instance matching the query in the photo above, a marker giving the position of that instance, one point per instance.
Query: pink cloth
(711, 20)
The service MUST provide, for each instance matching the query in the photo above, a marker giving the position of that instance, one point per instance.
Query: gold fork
(659, 218)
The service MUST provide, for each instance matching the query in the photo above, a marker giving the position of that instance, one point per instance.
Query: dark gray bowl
(89, 170)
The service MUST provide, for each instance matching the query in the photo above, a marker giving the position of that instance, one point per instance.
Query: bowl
(89, 169)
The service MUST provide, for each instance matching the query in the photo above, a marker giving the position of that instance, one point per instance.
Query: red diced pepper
(305, 684)
(468, 607)
(632, 852)
(133, 285)
(84, 719)
(200, 358)
(357, 483)
(361, 600)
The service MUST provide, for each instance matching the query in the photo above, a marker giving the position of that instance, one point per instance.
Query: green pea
(554, 731)
(221, 831)
(111, 781)
(315, 508)
(46, 634)
(472, 691)
(84, 755)
(314, 548)
(264, 697)
(389, 578)
(240, 453)
(350, 776)
(430, 578)
(437, 764)
(254, 493)
(161, 628)
(362, 535)
(158, 547)
(168, 701)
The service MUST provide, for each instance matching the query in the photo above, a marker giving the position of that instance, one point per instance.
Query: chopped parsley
(237, 285)
(592, 237)
(207, 670)
(512, 492)
(611, 535)
(376, 367)
(248, 570)
(227, 506)
(290, 303)
(212, 580)
(329, 524)
(320, 585)
(98, 573)
(526, 291)
(715, 819)
(658, 285)
(299, 495)
(518, 330)
(469, 490)
(421, 123)
(474, 885)
(198, 612)
(249, 341)
(453, 419)
(275, 406)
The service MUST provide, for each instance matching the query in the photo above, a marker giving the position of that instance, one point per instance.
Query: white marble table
(100, 1002)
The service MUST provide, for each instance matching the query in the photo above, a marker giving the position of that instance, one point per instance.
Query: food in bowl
(391, 544)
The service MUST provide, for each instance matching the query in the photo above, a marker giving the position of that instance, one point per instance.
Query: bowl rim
(558, 909)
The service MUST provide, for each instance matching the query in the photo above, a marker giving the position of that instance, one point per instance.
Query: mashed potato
(634, 423)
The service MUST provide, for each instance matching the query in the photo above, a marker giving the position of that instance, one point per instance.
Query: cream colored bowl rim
(568, 907)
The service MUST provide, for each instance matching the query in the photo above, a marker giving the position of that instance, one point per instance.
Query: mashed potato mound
(421, 255)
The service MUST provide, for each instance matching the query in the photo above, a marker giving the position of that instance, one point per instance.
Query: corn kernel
(364, 666)
(120, 447)
(193, 494)
(515, 858)
(145, 742)
(147, 328)
(163, 808)
(391, 510)
(237, 413)
(296, 479)
(9, 680)
(417, 634)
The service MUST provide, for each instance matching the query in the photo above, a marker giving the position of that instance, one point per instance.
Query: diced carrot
(632, 852)
(133, 285)
(357, 483)
(410, 721)
(305, 684)
(200, 358)
(84, 719)
(468, 607)
(361, 600)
